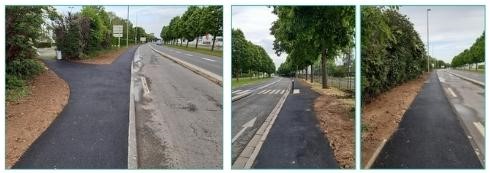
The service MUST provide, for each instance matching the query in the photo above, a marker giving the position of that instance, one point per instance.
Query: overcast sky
(451, 28)
(255, 22)
(151, 18)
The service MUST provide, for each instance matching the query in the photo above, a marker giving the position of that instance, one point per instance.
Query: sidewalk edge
(132, 148)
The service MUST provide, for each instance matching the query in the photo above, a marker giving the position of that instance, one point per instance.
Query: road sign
(117, 29)
(117, 35)
(143, 39)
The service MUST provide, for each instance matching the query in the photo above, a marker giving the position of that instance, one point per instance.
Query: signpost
(117, 31)
(142, 39)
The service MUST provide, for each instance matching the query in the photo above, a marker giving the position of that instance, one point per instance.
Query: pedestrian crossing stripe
(236, 91)
(276, 91)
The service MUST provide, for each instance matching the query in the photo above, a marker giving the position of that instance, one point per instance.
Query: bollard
(292, 85)
(58, 55)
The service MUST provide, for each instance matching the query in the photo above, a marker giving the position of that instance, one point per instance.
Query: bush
(44, 45)
(23, 69)
(13, 82)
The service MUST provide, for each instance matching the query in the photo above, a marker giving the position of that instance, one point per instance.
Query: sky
(151, 18)
(255, 22)
(451, 28)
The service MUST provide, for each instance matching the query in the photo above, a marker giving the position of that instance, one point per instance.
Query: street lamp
(428, 54)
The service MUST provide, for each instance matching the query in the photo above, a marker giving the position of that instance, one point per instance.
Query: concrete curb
(198, 70)
(468, 79)
(375, 155)
(238, 97)
(132, 148)
(247, 157)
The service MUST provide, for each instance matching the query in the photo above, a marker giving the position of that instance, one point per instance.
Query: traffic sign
(117, 35)
(117, 29)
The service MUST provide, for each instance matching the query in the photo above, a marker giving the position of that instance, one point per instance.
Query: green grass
(476, 71)
(207, 51)
(16, 94)
(246, 81)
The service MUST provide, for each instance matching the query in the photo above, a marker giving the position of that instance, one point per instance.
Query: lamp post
(428, 48)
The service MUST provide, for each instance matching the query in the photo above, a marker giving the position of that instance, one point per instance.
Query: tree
(325, 30)
(213, 21)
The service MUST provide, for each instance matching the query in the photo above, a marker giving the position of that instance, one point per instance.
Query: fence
(343, 80)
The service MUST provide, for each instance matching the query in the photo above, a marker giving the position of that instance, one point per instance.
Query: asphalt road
(295, 140)
(429, 135)
(472, 75)
(179, 118)
(468, 100)
(92, 129)
(211, 63)
(257, 105)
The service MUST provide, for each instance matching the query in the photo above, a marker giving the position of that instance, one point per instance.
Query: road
(473, 75)
(211, 63)
(258, 105)
(178, 115)
(468, 100)
(92, 129)
(429, 135)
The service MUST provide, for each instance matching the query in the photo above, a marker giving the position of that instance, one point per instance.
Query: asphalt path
(468, 101)
(92, 129)
(179, 119)
(211, 63)
(295, 140)
(257, 105)
(429, 135)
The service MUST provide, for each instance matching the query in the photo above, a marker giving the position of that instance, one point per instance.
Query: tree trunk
(187, 45)
(311, 73)
(197, 40)
(214, 39)
(306, 73)
(323, 68)
(181, 41)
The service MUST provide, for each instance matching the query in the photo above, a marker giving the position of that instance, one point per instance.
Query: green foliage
(248, 57)
(392, 51)
(195, 22)
(475, 54)
(24, 68)
(306, 33)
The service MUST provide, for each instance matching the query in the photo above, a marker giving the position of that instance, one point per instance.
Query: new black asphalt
(92, 129)
(429, 135)
(295, 140)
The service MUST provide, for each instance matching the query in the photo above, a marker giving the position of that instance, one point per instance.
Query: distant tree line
(474, 55)
(309, 33)
(81, 34)
(391, 50)
(248, 58)
(195, 22)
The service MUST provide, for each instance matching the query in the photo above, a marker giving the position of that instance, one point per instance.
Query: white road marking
(282, 91)
(273, 92)
(266, 91)
(261, 92)
(236, 91)
(145, 85)
(189, 54)
(243, 92)
(451, 92)
(178, 52)
(244, 127)
(277, 92)
(442, 80)
(208, 59)
(296, 91)
(480, 128)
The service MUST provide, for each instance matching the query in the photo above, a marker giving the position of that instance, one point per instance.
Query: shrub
(23, 69)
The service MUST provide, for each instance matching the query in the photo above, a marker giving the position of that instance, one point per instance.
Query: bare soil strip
(105, 57)
(380, 117)
(334, 110)
(28, 118)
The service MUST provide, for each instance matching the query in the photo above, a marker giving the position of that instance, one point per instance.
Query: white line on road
(178, 52)
(208, 59)
(282, 91)
(442, 80)
(145, 85)
(189, 54)
(244, 127)
(236, 91)
(266, 91)
(480, 128)
(451, 92)
(241, 92)
(273, 92)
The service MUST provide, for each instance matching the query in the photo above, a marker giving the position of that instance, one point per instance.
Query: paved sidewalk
(92, 129)
(429, 135)
(295, 140)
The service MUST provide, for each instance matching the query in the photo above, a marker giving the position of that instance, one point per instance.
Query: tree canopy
(474, 54)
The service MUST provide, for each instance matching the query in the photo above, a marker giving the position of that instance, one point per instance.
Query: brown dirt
(106, 57)
(29, 117)
(381, 116)
(334, 111)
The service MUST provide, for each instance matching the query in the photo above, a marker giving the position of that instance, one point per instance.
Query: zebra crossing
(262, 92)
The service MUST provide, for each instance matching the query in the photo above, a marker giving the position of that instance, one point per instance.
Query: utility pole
(136, 30)
(428, 48)
(127, 28)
